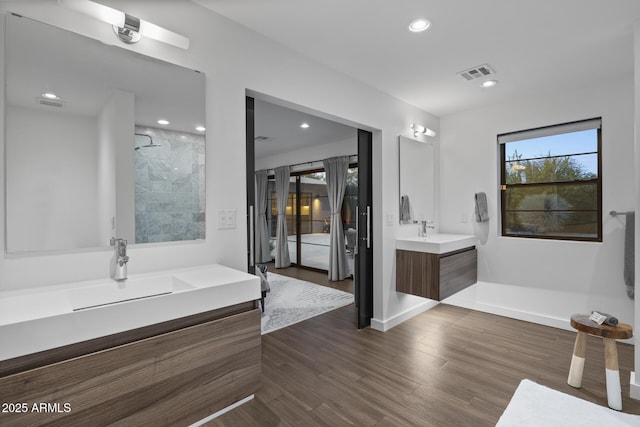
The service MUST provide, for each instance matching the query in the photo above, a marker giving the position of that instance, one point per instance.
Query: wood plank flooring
(448, 366)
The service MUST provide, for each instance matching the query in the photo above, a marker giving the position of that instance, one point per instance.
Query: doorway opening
(298, 226)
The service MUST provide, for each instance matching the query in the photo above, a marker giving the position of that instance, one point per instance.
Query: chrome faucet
(121, 258)
(424, 226)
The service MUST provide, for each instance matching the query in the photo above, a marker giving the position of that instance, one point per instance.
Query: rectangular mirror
(417, 180)
(86, 158)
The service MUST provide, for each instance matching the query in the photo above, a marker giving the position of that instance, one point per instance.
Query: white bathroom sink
(436, 243)
(39, 319)
(126, 290)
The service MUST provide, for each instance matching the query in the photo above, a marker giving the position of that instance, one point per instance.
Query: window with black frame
(551, 182)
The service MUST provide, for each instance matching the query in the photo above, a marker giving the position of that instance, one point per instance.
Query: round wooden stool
(609, 334)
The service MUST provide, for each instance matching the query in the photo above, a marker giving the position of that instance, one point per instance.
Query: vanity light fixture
(304, 125)
(419, 129)
(200, 128)
(489, 83)
(128, 28)
(163, 122)
(419, 25)
(50, 95)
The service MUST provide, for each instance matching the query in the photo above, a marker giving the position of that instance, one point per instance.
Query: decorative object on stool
(584, 325)
(605, 318)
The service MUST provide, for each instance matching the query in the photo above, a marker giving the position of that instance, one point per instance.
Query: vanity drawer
(175, 378)
(457, 271)
(435, 276)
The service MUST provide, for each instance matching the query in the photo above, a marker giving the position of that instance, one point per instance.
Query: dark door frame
(250, 128)
(363, 263)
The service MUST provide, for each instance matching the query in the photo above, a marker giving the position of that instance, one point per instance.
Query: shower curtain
(282, 194)
(336, 172)
(263, 254)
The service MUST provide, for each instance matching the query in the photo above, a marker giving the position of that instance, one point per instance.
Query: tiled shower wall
(170, 193)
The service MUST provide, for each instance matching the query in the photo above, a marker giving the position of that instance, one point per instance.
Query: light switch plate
(226, 219)
(222, 213)
(231, 218)
(389, 219)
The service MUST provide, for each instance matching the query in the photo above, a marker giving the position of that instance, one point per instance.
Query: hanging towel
(482, 211)
(629, 253)
(405, 210)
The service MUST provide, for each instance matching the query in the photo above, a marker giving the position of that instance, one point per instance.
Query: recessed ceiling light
(489, 83)
(50, 95)
(200, 128)
(418, 25)
(163, 122)
(304, 125)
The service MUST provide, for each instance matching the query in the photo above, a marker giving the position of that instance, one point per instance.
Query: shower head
(150, 144)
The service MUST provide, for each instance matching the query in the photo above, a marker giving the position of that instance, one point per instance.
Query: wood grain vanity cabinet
(168, 374)
(435, 276)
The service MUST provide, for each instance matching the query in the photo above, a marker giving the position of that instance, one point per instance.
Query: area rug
(291, 301)
(535, 405)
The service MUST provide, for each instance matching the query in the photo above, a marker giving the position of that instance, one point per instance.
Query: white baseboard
(385, 325)
(634, 387)
(521, 303)
(222, 411)
(527, 316)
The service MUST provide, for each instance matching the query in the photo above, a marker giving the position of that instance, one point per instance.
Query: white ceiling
(282, 126)
(534, 46)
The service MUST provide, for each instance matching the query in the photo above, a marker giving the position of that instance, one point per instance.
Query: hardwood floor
(448, 366)
(313, 276)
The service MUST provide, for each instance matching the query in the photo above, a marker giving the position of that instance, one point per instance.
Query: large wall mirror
(86, 158)
(417, 180)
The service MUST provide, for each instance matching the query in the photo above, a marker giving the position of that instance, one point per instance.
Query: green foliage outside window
(547, 195)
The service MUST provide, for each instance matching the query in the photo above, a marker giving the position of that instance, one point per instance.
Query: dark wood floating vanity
(169, 374)
(163, 360)
(435, 276)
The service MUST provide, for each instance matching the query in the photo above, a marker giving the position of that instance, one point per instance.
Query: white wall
(227, 54)
(123, 140)
(46, 158)
(565, 277)
(106, 170)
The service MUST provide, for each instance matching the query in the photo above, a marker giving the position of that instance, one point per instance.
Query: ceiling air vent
(476, 72)
(50, 102)
(262, 138)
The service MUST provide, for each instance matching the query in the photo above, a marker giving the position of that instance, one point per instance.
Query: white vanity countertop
(436, 243)
(39, 319)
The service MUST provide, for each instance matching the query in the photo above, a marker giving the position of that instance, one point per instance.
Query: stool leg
(577, 360)
(614, 392)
